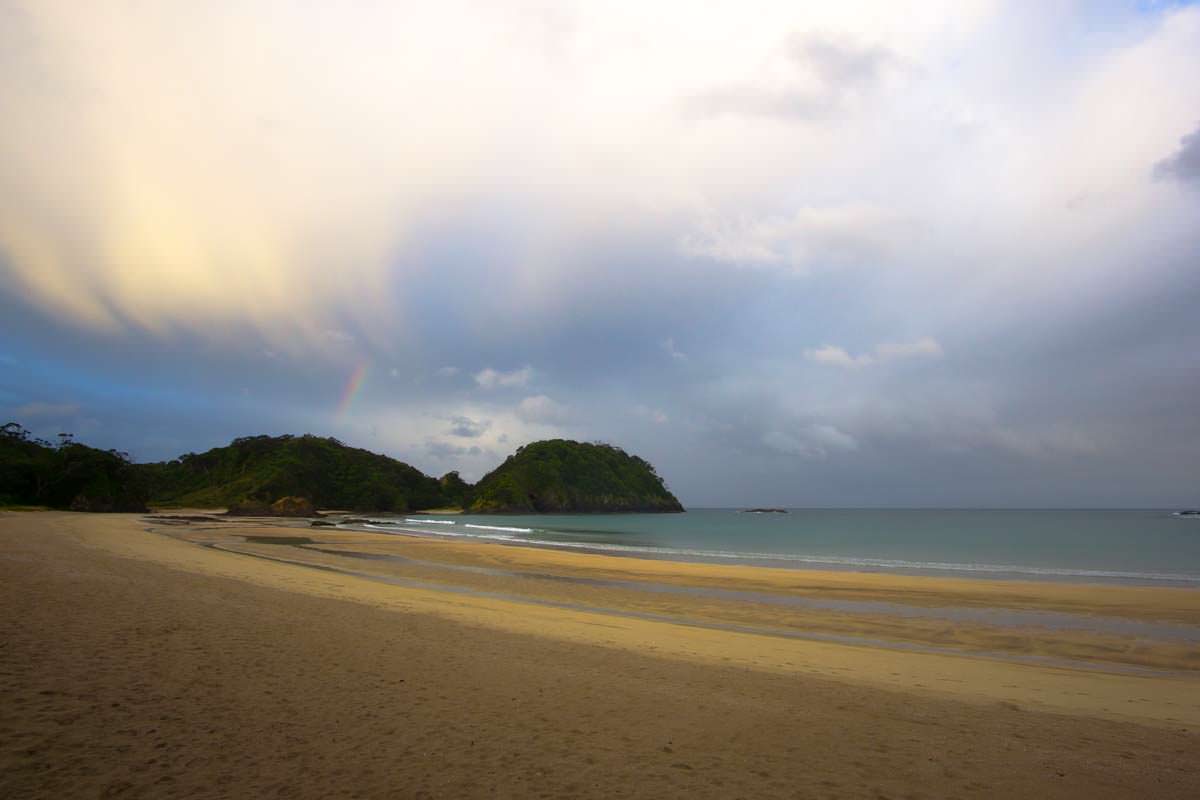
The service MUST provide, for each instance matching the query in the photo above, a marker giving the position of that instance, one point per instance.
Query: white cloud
(493, 379)
(809, 77)
(446, 372)
(804, 240)
(832, 355)
(541, 409)
(126, 201)
(836, 356)
(668, 346)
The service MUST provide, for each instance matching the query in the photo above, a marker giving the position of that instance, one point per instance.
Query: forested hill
(256, 471)
(559, 475)
(265, 468)
(67, 475)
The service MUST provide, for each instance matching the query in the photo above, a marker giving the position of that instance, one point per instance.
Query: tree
(13, 430)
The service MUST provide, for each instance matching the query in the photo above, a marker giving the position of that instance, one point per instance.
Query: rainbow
(353, 384)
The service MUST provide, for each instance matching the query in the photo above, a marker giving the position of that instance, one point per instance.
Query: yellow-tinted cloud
(218, 167)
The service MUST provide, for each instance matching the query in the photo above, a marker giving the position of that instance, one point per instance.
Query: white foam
(397, 529)
(850, 562)
(498, 528)
(430, 521)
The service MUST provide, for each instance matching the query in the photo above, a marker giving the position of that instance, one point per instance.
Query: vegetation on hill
(67, 475)
(294, 475)
(559, 475)
(455, 489)
(266, 468)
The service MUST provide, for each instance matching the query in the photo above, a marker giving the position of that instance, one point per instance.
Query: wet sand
(138, 663)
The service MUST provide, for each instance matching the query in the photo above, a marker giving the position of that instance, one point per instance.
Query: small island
(764, 511)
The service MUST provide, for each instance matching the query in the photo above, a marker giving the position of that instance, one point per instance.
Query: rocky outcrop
(283, 507)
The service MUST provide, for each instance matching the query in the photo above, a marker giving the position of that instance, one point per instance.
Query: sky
(808, 254)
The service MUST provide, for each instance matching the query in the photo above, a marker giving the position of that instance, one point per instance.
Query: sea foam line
(398, 529)
(878, 563)
(498, 528)
(831, 561)
(882, 564)
(431, 521)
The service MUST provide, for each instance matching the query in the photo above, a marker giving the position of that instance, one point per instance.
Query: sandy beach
(148, 657)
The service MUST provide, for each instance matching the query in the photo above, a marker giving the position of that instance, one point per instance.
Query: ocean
(1124, 546)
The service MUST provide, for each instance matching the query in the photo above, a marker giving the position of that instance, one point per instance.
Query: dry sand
(142, 664)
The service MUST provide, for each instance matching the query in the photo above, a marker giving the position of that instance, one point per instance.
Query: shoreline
(408, 525)
(1182, 602)
(799, 561)
(1116, 629)
(140, 651)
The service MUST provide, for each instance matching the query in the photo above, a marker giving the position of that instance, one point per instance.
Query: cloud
(1184, 164)
(493, 379)
(446, 372)
(925, 347)
(130, 202)
(838, 357)
(799, 242)
(668, 346)
(468, 428)
(655, 415)
(50, 410)
(832, 355)
(157, 164)
(541, 409)
(446, 450)
(841, 63)
(811, 441)
(811, 76)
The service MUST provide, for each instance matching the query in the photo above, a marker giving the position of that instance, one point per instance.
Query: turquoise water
(1134, 546)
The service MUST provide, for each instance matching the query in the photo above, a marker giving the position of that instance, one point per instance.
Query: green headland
(255, 473)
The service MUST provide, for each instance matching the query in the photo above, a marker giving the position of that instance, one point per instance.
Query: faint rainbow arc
(353, 384)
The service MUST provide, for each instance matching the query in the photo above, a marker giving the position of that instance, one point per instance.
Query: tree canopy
(560, 475)
(553, 475)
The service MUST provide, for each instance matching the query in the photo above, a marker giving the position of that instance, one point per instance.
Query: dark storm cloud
(1184, 164)
(468, 428)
